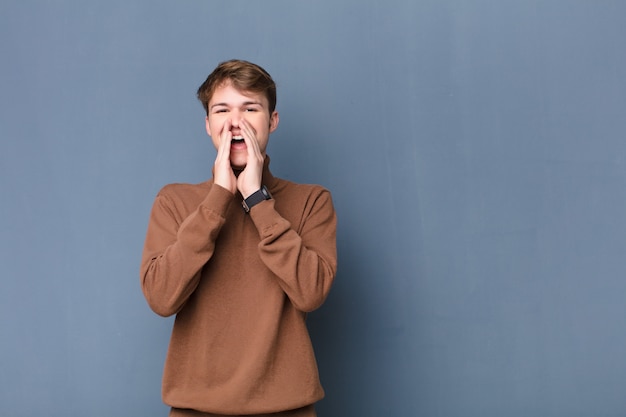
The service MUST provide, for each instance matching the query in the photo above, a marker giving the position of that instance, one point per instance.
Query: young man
(240, 259)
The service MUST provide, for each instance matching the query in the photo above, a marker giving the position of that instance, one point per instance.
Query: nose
(236, 118)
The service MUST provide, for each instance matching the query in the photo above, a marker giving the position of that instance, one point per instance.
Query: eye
(220, 111)
(252, 109)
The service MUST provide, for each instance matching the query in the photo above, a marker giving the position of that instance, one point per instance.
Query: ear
(207, 126)
(274, 119)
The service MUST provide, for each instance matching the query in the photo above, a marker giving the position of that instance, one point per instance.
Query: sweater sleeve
(304, 261)
(177, 248)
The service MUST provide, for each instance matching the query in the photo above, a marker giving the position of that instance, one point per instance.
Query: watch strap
(255, 198)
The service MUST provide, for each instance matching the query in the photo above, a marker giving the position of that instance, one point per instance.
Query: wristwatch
(255, 198)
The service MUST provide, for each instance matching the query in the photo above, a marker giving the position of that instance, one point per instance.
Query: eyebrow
(245, 103)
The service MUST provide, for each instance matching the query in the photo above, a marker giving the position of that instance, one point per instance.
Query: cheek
(215, 125)
(257, 121)
(216, 141)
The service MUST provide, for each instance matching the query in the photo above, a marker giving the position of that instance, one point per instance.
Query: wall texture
(476, 153)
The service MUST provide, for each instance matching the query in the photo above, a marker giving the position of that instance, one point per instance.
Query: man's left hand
(249, 180)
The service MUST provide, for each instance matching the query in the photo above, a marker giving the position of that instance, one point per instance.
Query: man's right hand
(223, 172)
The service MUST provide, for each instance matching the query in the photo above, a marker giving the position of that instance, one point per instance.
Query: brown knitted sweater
(240, 286)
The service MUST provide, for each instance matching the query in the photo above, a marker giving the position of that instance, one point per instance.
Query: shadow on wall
(355, 330)
(349, 333)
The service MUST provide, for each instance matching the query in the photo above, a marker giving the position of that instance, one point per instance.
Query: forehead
(227, 94)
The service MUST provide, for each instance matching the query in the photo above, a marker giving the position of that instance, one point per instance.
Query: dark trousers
(308, 411)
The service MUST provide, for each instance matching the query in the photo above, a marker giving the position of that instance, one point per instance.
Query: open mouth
(237, 139)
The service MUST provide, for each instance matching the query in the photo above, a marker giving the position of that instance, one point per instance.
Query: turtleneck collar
(268, 179)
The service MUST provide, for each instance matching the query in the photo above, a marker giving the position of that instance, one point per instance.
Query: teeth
(238, 137)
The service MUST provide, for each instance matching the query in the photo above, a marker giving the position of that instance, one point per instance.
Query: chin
(237, 165)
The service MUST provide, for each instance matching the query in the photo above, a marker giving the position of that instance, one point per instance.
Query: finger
(250, 138)
(225, 139)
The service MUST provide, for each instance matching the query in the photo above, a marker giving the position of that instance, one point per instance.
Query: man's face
(231, 105)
